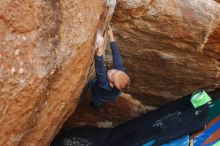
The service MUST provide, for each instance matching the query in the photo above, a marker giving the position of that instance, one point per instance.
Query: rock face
(46, 52)
(171, 48)
(110, 115)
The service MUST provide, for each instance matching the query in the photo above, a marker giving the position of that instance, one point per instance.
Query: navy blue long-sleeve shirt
(101, 90)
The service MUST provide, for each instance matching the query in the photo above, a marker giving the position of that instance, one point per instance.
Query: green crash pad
(200, 98)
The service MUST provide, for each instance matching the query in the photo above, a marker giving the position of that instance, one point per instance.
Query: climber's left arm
(117, 59)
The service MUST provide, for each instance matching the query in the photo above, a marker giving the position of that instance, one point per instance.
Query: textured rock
(46, 51)
(171, 48)
(110, 115)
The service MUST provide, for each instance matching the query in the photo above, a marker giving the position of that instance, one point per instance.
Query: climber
(108, 84)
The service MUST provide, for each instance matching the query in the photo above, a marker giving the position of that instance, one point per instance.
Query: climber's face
(111, 74)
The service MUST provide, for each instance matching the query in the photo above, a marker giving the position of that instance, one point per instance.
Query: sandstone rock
(110, 115)
(46, 52)
(171, 48)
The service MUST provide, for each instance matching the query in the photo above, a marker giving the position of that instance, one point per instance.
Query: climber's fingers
(110, 33)
(109, 28)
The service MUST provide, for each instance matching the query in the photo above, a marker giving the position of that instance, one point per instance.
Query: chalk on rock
(12, 70)
(99, 40)
(21, 71)
(111, 2)
(17, 52)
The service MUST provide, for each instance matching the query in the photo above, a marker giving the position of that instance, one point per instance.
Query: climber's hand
(110, 34)
(100, 50)
(100, 45)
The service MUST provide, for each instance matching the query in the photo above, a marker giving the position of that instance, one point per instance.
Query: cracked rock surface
(170, 48)
(46, 51)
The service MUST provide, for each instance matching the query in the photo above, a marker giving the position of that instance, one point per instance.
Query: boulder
(46, 52)
(170, 48)
(109, 115)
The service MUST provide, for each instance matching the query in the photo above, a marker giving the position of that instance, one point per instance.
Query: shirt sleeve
(101, 73)
(117, 59)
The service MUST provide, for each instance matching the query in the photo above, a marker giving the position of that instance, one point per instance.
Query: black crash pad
(165, 124)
